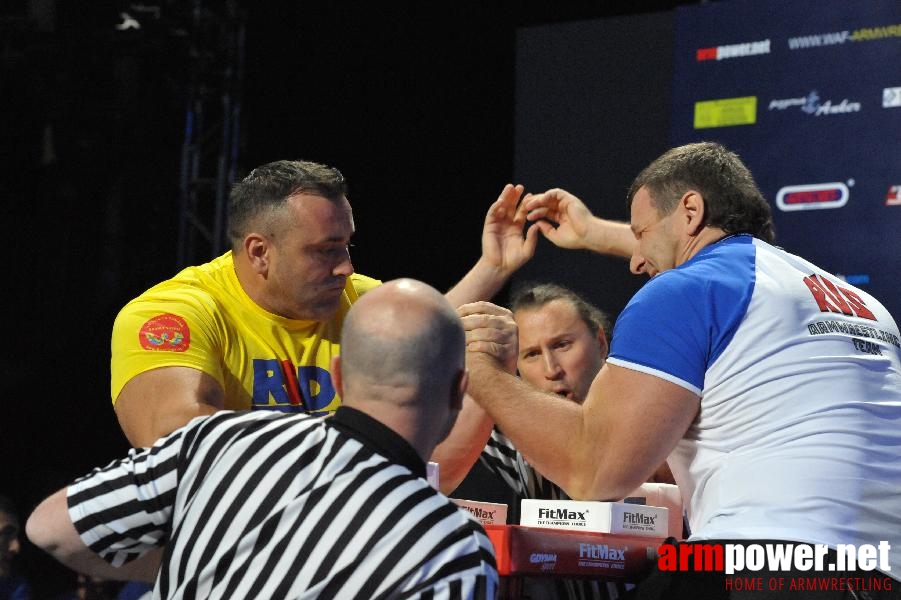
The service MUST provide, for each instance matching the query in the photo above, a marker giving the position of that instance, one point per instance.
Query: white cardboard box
(601, 517)
(661, 494)
(488, 513)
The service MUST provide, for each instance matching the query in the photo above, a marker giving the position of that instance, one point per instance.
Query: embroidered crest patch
(165, 332)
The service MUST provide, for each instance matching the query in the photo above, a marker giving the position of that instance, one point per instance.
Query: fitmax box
(487, 513)
(601, 517)
(661, 494)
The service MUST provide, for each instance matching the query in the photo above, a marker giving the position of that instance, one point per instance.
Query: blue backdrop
(808, 93)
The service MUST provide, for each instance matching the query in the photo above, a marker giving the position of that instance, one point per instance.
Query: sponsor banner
(829, 106)
(725, 112)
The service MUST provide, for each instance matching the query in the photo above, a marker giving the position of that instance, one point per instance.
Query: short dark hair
(531, 295)
(732, 200)
(267, 188)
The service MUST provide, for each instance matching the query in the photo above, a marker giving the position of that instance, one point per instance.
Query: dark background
(414, 102)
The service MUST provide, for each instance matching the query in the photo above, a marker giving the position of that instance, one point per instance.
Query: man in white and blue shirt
(772, 387)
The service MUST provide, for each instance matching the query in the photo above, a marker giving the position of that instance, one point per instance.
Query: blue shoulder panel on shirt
(682, 319)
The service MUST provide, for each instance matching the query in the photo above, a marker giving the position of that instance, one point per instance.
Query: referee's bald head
(401, 341)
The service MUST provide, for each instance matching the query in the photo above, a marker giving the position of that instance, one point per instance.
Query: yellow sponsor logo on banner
(726, 112)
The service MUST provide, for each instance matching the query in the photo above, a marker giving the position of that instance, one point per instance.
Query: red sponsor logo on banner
(813, 196)
(733, 51)
(165, 332)
(893, 198)
(706, 54)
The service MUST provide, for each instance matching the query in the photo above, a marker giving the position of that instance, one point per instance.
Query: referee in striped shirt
(270, 505)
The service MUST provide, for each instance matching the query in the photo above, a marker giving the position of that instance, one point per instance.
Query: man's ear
(257, 248)
(695, 211)
(458, 389)
(337, 375)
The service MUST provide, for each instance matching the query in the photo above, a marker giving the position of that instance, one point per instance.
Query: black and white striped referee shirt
(502, 458)
(268, 505)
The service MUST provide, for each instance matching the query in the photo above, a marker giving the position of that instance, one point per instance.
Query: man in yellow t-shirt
(202, 318)
(258, 326)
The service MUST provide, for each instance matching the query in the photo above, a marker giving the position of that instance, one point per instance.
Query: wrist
(482, 363)
(490, 274)
(482, 368)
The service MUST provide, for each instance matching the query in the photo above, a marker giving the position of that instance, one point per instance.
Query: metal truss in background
(212, 128)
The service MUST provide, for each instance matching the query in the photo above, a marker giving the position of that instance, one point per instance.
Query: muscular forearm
(482, 282)
(599, 450)
(547, 430)
(144, 568)
(460, 450)
(50, 528)
(609, 237)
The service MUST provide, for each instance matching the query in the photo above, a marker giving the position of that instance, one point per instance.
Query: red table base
(538, 551)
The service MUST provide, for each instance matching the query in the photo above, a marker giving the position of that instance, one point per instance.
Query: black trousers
(700, 580)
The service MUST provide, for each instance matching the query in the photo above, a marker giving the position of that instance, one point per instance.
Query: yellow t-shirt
(203, 319)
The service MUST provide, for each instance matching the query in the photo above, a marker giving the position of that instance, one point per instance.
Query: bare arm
(493, 326)
(566, 221)
(50, 528)
(462, 447)
(600, 450)
(505, 248)
(157, 402)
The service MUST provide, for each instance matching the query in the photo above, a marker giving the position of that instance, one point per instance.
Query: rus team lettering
(854, 329)
(834, 298)
(316, 387)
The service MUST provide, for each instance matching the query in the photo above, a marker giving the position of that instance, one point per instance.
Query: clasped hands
(491, 334)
